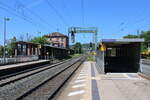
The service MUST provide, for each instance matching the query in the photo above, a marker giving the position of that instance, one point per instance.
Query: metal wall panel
(100, 62)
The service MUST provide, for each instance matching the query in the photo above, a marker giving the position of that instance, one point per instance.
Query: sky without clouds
(114, 18)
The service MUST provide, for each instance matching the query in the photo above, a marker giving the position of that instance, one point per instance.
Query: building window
(111, 52)
(57, 39)
(19, 49)
(24, 50)
(62, 45)
(62, 40)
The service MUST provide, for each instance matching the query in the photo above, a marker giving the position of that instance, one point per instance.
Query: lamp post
(5, 20)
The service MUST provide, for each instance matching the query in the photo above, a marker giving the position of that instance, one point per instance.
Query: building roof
(56, 34)
(122, 40)
(24, 42)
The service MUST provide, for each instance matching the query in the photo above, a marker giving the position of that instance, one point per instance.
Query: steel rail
(11, 88)
(53, 93)
(23, 74)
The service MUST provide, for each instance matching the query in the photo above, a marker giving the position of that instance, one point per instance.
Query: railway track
(7, 79)
(40, 84)
(25, 70)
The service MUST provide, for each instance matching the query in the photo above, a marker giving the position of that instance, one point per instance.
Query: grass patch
(90, 58)
(76, 55)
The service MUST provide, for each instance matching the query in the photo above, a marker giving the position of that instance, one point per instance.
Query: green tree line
(143, 34)
(9, 48)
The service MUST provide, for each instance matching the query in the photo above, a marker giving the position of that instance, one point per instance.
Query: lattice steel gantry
(75, 30)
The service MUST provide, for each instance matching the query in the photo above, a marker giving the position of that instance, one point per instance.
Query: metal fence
(18, 59)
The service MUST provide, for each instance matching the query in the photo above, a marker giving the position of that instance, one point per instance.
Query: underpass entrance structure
(119, 55)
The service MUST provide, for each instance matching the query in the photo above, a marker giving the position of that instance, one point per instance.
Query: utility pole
(5, 20)
(39, 33)
(27, 37)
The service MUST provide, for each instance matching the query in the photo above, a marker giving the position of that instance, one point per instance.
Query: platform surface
(21, 64)
(145, 69)
(87, 84)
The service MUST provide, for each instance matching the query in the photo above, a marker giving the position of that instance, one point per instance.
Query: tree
(1, 51)
(41, 40)
(146, 36)
(143, 34)
(130, 36)
(78, 47)
(11, 46)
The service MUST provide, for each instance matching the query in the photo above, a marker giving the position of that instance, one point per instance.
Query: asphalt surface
(146, 69)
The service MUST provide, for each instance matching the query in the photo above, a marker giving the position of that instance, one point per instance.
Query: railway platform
(87, 84)
(6, 69)
(21, 64)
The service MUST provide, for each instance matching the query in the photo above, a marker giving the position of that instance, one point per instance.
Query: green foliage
(89, 57)
(145, 35)
(88, 46)
(10, 46)
(1, 51)
(144, 47)
(130, 36)
(76, 55)
(85, 47)
(41, 40)
(78, 48)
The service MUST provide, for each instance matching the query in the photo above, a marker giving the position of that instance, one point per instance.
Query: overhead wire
(82, 15)
(126, 23)
(14, 12)
(57, 12)
(36, 15)
(66, 8)
(137, 22)
(5, 9)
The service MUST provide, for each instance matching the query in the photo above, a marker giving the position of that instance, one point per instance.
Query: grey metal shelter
(120, 55)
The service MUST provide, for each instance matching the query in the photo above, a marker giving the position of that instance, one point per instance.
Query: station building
(58, 39)
(58, 47)
(28, 49)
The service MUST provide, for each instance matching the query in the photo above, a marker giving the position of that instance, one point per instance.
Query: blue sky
(114, 18)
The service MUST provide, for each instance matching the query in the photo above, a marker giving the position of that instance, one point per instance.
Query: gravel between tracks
(14, 90)
(28, 73)
(48, 89)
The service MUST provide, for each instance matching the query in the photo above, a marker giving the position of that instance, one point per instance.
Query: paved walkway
(145, 69)
(87, 84)
(79, 88)
(124, 87)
